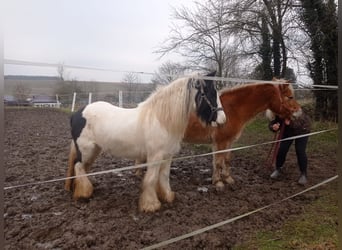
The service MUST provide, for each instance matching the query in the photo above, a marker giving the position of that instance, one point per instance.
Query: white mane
(170, 104)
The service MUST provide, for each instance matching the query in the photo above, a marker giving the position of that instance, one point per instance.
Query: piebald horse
(150, 133)
(242, 103)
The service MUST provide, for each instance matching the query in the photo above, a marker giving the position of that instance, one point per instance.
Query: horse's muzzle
(221, 117)
(297, 113)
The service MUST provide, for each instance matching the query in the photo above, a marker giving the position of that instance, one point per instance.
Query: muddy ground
(46, 217)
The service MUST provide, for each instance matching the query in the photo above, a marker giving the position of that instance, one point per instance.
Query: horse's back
(104, 111)
(101, 107)
(112, 128)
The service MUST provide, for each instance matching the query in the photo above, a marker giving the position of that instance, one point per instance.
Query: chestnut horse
(151, 132)
(241, 103)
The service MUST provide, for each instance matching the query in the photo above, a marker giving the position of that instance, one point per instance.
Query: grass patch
(314, 229)
(326, 140)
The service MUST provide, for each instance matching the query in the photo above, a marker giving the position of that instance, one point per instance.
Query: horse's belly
(127, 152)
(123, 148)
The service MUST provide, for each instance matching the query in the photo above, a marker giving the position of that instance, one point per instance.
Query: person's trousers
(300, 146)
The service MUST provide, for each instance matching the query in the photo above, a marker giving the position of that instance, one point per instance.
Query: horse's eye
(290, 97)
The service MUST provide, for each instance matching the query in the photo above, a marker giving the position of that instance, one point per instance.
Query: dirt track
(45, 216)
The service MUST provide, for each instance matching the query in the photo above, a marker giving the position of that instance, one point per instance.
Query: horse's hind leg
(83, 188)
(82, 185)
(164, 189)
(70, 171)
(96, 150)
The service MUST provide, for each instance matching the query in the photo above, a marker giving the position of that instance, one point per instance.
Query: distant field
(105, 91)
(50, 86)
(23, 87)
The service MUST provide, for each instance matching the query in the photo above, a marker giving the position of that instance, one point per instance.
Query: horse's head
(286, 106)
(207, 102)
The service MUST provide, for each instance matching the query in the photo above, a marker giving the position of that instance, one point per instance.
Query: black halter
(214, 110)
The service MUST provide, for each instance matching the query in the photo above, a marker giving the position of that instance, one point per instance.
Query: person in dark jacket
(296, 126)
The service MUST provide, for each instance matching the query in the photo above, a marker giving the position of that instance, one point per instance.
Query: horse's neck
(171, 106)
(248, 101)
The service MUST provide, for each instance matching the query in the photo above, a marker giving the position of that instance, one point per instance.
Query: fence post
(90, 97)
(120, 99)
(57, 101)
(73, 102)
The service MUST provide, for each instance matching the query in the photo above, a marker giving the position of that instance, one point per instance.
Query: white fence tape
(159, 162)
(325, 86)
(229, 79)
(205, 229)
(55, 65)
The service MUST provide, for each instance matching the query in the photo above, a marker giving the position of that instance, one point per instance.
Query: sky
(108, 34)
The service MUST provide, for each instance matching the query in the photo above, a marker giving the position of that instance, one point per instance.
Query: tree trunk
(321, 22)
(265, 51)
(276, 53)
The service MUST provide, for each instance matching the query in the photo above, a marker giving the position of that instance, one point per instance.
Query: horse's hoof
(82, 188)
(82, 195)
(229, 180)
(219, 186)
(67, 186)
(169, 197)
(149, 207)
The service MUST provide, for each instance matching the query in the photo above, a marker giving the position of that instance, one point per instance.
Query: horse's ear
(284, 86)
(212, 73)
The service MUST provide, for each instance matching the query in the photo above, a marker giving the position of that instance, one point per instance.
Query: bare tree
(131, 79)
(66, 88)
(168, 72)
(61, 72)
(201, 36)
(253, 18)
(21, 92)
(219, 34)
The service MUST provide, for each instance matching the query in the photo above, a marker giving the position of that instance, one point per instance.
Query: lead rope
(277, 136)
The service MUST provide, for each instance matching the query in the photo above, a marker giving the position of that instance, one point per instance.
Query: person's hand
(276, 126)
(287, 121)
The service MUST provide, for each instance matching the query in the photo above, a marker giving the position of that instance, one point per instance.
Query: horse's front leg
(218, 164)
(148, 199)
(164, 189)
(226, 173)
(82, 185)
(71, 164)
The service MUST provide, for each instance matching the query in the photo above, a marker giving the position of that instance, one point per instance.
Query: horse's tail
(71, 163)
